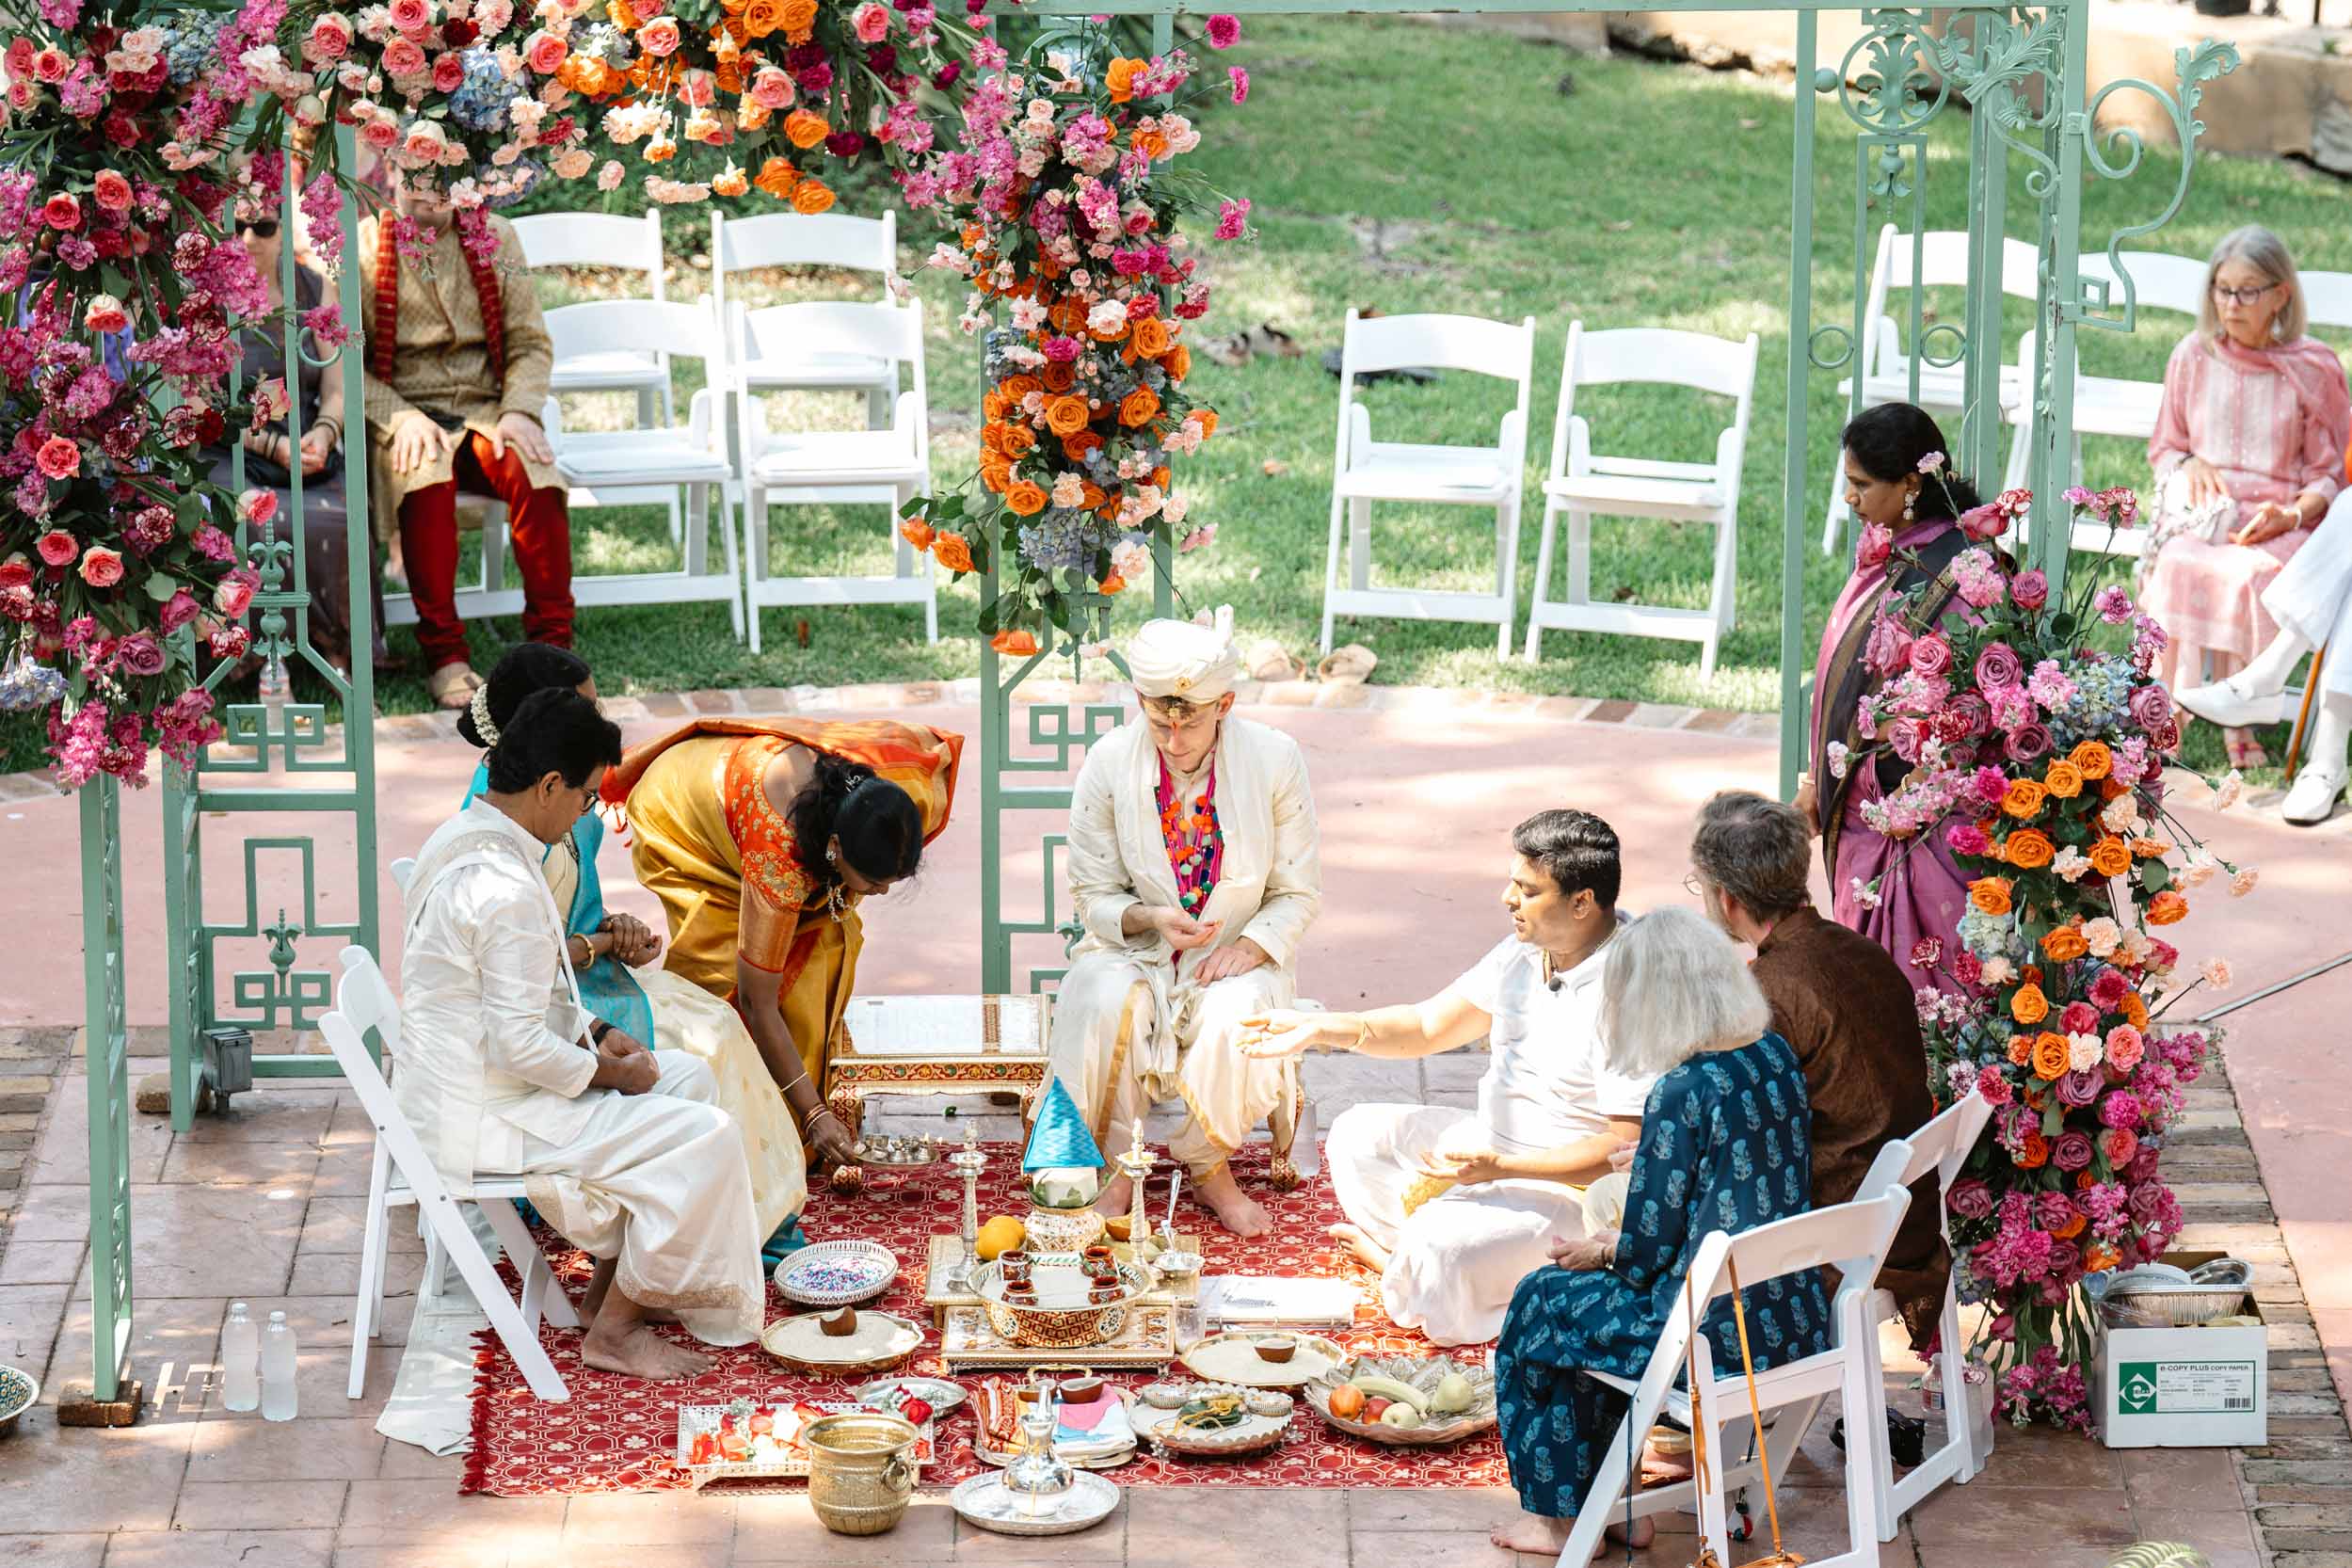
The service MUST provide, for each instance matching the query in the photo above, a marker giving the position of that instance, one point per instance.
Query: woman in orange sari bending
(760, 838)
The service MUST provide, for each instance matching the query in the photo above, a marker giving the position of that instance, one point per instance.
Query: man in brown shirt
(1848, 1011)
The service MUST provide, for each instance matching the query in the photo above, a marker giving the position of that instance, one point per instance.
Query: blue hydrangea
(188, 47)
(2102, 689)
(479, 100)
(524, 174)
(1990, 935)
(1060, 537)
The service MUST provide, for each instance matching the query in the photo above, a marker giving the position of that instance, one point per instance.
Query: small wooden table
(938, 1046)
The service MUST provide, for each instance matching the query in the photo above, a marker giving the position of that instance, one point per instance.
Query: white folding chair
(402, 1174)
(1853, 1237)
(833, 240)
(890, 465)
(1939, 260)
(488, 596)
(625, 244)
(1365, 471)
(609, 466)
(2106, 405)
(1583, 484)
(1942, 1148)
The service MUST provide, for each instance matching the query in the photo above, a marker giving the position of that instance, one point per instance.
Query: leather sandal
(452, 686)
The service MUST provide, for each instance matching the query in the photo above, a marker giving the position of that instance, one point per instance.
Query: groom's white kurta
(1455, 1259)
(1129, 1027)
(491, 1073)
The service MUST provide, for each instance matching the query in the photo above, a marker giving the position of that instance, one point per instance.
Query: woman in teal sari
(611, 955)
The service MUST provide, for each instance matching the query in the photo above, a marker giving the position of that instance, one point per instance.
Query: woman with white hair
(2248, 452)
(1725, 1145)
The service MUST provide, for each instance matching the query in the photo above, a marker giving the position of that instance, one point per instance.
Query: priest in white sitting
(1454, 1208)
(1195, 868)
(501, 1069)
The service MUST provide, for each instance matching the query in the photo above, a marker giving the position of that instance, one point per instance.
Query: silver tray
(985, 1502)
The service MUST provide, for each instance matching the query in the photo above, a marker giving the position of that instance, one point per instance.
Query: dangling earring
(832, 855)
(1911, 504)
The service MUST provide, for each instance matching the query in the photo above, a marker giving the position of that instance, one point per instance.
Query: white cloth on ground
(1453, 1262)
(1126, 1015)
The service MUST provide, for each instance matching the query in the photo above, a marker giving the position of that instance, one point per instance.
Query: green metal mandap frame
(2019, 70)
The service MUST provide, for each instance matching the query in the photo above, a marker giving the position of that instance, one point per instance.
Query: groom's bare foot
(1360, 1247)
(637, 1351)
(1541, 1536)
(1234, 1208)
(592, 1301)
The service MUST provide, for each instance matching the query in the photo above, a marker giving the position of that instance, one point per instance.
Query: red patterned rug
(618, 1433)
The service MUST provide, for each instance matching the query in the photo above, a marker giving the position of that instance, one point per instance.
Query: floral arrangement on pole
(773, 84)
(2039, 758)
(123, 292)
(1064, 203)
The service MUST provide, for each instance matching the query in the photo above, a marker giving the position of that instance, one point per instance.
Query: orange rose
(1066, 316)
(796, 17)
(1059, 377)
(2023, 798)
(1018, 438)
(1206, 419)
(1162, 477)
(2020, 1049)
(2064, 780)
(915, 532)
(1153, 143)
(2110, 857)
(994, 473)
(1091, 496)
(804, 130)
(1025, 498)
(1113, 583)
(2110, 788)
(1990, 894)
(1066, 416)
(1152, 338)
(993, 406)
(1017, 388)
(1076, 447)
(2073, 1227)
(762, 17)
(2099, 1258)
(1119, 76)
(2135, 1009)
(622, 17)
(811, 197)
(2167, 908)
(1138, 407)
(2028, 849)
(2050, 1054)
(2092, 760)
(1019, 643)
(2033, 1152)
(992, 440)
(951, 551)
(777, 178)
(2029, 1006)
(1177, 362)
(2064, 945)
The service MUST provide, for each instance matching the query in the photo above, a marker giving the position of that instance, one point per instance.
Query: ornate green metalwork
(106, 1054)
(267, 739)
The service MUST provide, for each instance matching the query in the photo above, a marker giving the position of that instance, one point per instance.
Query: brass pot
(860, 1477)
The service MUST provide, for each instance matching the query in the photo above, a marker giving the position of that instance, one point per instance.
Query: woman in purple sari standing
(1904, 893)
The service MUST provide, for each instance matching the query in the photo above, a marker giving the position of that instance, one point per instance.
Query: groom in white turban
(1195, 865)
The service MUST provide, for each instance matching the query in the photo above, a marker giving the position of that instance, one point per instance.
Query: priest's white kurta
(1130, 1027)
(1455, 1255)
(492, 1074)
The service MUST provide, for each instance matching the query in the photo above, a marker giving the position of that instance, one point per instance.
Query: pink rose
(258, 506)
(142, 654)
(448, 71)
(2125, 1047)
(51, 65)
(19, 56)
(111, 191)
(412, 16)
(382, 130)
(2119, 1144)
(402, 57)
(101, 567)
(104, 313)
(235, 593)
(58, 548)
(871, 21)
(1931, 655)
(660, 37)
(329, 40)
(545, 52)
(771, 89)
(180, 609)
(426, 142)
(2030, 589)
(2078, 1017)
(62, 211)
(1998, 668)
(58, 458)
(1981, 523)
(1971, 1199)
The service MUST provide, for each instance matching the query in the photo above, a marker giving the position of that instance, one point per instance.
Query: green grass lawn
(1411, 168)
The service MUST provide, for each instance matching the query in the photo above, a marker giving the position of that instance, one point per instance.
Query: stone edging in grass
(766, 700)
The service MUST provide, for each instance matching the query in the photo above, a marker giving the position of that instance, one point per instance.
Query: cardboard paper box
(2183, 1387)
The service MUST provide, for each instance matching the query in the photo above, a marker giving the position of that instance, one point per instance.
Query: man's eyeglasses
(260, 228)
(2241, 297)
(1695, 887)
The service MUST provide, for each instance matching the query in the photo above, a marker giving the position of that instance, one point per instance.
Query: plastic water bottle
(275, 691)
(278, 1392)
(240, 1361)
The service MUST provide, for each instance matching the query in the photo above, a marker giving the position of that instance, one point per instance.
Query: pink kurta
(2275, 422)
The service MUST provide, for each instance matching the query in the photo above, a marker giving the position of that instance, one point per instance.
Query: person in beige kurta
(457, 364)
(1195, 868)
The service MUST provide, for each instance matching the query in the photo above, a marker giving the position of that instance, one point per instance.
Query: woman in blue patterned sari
(1725, 1145)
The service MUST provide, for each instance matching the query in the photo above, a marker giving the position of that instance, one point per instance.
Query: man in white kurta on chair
(1455, 1207)
(1194, 866)
(501, 1071)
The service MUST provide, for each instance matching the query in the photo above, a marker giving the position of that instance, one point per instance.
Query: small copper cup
(1013, 1268)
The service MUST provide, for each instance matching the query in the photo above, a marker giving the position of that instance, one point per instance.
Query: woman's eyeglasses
(2240, 297)
(263, 229)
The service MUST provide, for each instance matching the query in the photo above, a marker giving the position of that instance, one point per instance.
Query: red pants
(540, 525)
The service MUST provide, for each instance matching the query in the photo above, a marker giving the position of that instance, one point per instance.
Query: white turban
(1195, 661)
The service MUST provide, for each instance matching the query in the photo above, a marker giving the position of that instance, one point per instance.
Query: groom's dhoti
(1454, 1259)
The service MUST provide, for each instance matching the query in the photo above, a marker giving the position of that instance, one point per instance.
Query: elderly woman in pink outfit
(2248, 452)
